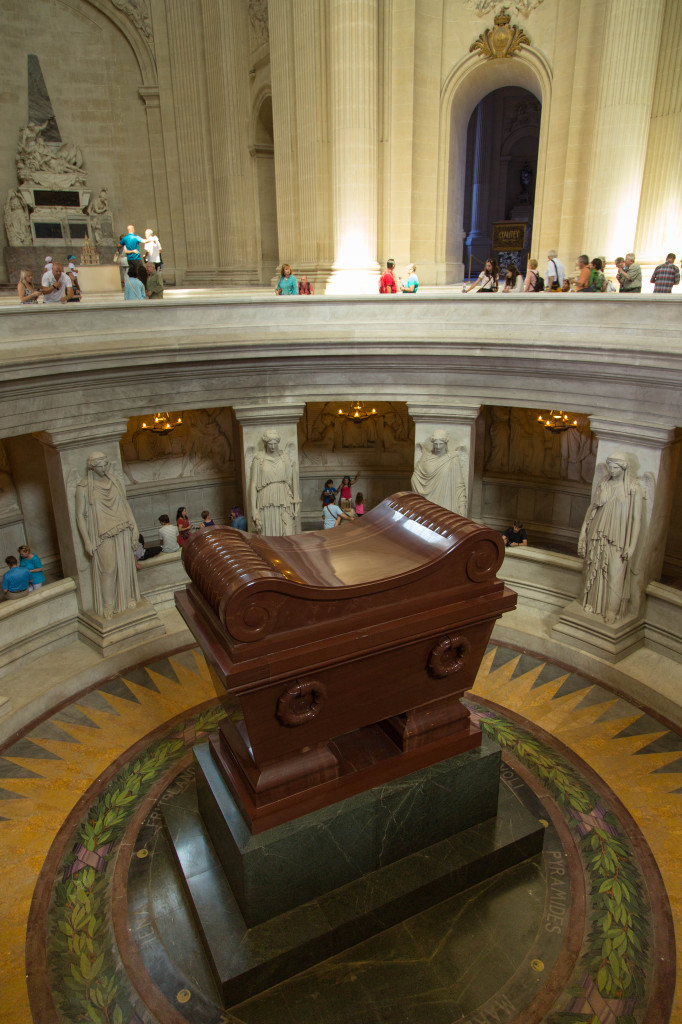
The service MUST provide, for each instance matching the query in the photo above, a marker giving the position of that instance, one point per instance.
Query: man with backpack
(555, 273)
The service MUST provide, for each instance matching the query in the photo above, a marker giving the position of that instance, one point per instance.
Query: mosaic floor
(95, 926)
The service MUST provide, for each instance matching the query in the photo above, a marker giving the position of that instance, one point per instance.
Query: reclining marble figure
(348, 650)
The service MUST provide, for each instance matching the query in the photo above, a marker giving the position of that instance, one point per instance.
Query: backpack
(596, 281)
(539, 285)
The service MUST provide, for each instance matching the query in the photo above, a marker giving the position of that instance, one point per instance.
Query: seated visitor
(26, 290)
(143, 553)
(17, 581)
(55, 285)
(27, 560)
(206, 519)
(515, 536)
(168, 535)
(513, 279)
(238, 519)
(184, 526)
(332, 515)
(487, 281)
(133, 289)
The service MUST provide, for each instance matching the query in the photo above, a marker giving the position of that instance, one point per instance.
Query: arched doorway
(263, 151)
(469, 82)
(501, 170)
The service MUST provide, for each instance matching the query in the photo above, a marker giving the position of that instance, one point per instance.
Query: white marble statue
(608, 539)
(98, 209)
(273, 488)
(440, 475)
(109, 533)
(17, 223)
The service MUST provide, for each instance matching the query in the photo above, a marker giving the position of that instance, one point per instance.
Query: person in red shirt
(387, 283)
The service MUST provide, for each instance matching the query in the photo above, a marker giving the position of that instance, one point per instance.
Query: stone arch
(262, 149)
(142, 47)
(466, 85)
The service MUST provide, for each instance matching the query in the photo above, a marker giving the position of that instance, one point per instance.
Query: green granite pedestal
(272, 905)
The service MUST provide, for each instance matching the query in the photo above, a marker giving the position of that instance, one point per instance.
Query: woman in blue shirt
(31, 562)
(412, 282)
(133, 288)
(287, 284)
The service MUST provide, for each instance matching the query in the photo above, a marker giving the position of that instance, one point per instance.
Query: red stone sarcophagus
(347, 649)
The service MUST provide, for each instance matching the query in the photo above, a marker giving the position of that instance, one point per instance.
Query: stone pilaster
(478, 241)
(226, 48)
(162, 225)
(66, 456)
(253, 421)
(285, 127)
(624, 94)
(459, 422)
(354, 98)
(652, 456)
(659, 227)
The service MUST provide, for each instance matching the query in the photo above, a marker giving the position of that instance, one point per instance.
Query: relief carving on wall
(502, 41)
(258, 21)
(138, 12)
(526, 113)
(520, 446)
(325, 438)
(9, 502)
(47, 164)
(483, 7)
(201, 446)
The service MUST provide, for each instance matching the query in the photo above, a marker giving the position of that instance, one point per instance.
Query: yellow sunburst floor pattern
(45, 772)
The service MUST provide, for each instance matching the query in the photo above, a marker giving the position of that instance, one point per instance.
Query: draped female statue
(273, 490)
(440, 475)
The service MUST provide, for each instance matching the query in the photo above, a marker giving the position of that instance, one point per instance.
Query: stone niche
(194, 465)
(380, 447)
(542, 478)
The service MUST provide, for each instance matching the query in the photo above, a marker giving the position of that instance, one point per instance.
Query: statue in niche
(525, 177)
(608, 538)
(48, 165)
(498, 459)
(17, 223)
(109, 533)
(273, 487)
(440, 475)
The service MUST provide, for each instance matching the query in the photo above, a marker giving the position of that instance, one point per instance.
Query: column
(285, 128)
(629, 516)
(354, 99)
(458, 425)
(659, 227)
(624, 95)
(479, 239)
(66, 455)
(257, 425)
(163, 225)
(226, 49)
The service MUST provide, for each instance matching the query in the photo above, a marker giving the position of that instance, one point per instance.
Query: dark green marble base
(287, 866)
(245, 961)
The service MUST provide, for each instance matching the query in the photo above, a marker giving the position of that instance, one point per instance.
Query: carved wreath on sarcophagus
(301, 702)
(504, 40)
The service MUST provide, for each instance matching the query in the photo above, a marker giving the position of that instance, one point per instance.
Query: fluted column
(479, 240)
(354, 99)
(226, 48)
(659, 227)
(285, 127)
(624, 95)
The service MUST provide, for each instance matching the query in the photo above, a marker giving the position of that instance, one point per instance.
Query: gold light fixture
(162, 423)
(356, 411)
(556, 421)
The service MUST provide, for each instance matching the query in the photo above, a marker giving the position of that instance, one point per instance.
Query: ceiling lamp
(162, 423)
(557, 421)
(356, 411)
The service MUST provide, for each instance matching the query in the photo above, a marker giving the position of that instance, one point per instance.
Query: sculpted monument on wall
(517, 444)
(440, 475)
(273, 487)
(609, 536)
(325, 437)
(201, 446)
(109, 533)
(48, 165)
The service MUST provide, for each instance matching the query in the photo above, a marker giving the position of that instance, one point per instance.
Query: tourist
(27, 560)
(387, 285)
(131, 245)
(555, 273)
(184, 526)
(238, 519)
(168, 535)
(305, 287)
(72, 274)
(122, 260)
(487, 280)
(515, 536)
(583, 267)
(154, 287)
(412, 282)
(153, 248)
(56, 286)
(345, 488)
(513, 279)
(534, 283)
(630, 274)
(332, 515)
(287, 284)
(143, 553)
(26, 290)
(206, 519)
(666, 276)
(328, 493)
(359, 504)
(134, 289)
(17, 581)
(597, 281)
